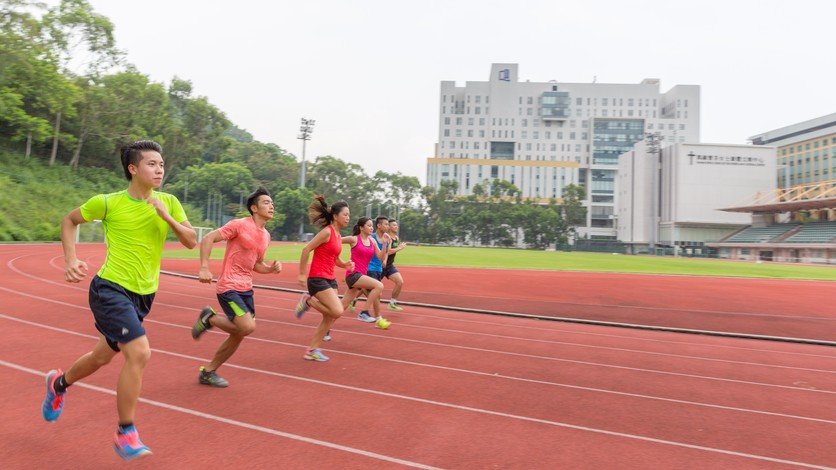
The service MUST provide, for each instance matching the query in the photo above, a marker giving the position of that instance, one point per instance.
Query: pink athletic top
(246, 244)
(325, 256)
(361, 255)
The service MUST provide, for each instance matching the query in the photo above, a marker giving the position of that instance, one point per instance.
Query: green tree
(32, 87)
(72, 29)
(340, 180)
(215, 181)
(293, 204)
(574, 213)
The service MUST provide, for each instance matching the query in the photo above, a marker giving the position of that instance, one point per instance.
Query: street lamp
(305, 131)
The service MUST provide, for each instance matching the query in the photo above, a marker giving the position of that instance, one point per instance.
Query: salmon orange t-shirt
(246, 244)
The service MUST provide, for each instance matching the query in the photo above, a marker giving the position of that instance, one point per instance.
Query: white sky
(369, 71)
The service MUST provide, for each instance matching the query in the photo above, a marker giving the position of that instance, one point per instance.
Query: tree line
(69, 98)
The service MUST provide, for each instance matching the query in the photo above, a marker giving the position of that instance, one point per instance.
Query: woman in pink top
(321, 281)
(363, 248)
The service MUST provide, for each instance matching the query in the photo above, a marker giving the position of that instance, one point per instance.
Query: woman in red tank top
(321, 282)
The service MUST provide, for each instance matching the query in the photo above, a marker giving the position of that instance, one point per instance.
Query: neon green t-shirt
(134, 235)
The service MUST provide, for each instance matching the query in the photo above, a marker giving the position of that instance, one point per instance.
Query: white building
(542, 136)
(673, 199)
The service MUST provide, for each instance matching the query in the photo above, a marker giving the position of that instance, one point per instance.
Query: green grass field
(564, 261)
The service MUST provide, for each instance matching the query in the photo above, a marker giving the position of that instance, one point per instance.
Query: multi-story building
(675, 197)
(806, 151)
(542, 136)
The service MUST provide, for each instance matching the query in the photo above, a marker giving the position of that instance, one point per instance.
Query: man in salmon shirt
(246, 242)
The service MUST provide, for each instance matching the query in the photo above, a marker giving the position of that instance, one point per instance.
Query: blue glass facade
(502, 150)
(554, 105)
(612, 137)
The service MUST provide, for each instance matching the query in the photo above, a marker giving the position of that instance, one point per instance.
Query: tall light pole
(305, 131)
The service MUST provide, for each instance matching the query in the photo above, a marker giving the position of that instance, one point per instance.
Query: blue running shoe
(302, 306)
(315, 355)
(365, 317)
(54, 401)
(128, 446)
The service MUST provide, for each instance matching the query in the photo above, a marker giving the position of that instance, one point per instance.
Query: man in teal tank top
(136, 222)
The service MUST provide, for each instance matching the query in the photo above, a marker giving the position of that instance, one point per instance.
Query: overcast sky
(369, 71)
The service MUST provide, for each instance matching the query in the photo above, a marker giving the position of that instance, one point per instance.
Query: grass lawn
(560, 261)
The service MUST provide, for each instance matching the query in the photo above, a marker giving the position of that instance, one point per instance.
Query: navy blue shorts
(118, 312)
(390, 270)
(237, 304)
(376, 275)
(319, 284)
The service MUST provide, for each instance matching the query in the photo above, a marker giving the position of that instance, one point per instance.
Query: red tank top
(325, 256)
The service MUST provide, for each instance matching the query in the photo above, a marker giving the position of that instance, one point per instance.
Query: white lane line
(40, 279)
(431, 402)
(233, 422)
(571, 361)
(483, 374)
(179, 281)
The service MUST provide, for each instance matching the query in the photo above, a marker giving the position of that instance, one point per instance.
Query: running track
(439, 389)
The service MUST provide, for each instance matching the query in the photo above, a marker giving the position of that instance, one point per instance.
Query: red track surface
(784, 308)
(438, 389)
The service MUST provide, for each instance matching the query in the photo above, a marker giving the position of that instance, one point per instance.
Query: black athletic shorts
(352, 279)
(237, 304)
(390, 270)
(118, 312)
(319, 284)
(377, 275)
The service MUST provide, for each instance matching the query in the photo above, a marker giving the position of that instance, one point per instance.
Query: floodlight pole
(305, 131)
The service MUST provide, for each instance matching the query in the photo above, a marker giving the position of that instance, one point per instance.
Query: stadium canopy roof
(805, 197)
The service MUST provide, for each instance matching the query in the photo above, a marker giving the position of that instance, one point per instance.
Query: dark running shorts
(319, 284)
(377, 275)
(352, 279)
(118, 312)
(390, 270)
(237, 304)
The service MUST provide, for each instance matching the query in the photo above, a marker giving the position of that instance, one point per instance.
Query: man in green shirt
(135, 223)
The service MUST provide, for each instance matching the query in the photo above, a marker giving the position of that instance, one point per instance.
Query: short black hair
(379, 218)
(131, 154)
(252, 199)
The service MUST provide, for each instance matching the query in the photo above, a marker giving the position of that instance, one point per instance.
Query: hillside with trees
(62, 124)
